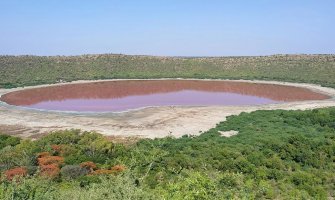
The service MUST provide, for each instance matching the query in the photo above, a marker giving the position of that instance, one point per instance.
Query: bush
(31, 170)
(60, 137)
(43, 154)
(28, 189)
(49, 171)
(113, 187)
(48, 160)
(18, 172)
(6, 140)
(103, 172)
(118, 168)
(73, 171)
(90, 166)
(57, 149)
(88, 180)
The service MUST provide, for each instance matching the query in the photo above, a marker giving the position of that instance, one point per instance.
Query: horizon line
(148, 55)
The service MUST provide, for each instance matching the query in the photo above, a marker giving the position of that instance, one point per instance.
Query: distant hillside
(33, 70)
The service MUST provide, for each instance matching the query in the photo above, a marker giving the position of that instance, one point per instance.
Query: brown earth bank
(148, 122)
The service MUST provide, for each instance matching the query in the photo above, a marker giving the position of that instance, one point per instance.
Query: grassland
(34, 70)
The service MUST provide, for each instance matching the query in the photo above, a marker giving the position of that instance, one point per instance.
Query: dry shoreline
(152, 122)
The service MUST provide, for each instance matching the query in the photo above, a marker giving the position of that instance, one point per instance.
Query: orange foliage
(56, 148)
(89, 166)
(43, 154)
(48, 160)
(50, 171)
(15, 172)
(49, 165)
(118, 168)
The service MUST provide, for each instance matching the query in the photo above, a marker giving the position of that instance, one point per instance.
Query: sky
(167, 27)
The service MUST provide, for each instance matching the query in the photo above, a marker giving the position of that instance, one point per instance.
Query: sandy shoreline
(147, 122)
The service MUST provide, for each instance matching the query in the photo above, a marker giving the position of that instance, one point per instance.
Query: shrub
(6, 140)
(68, 150)
(193, 186)
(61, 137)
(114, 187)
(31, 170)
(91, 166)
(102, 172)
(73, 171)
(43, 154)
(18, 172)
(9, 158)
(29, 189)
(118, 168)
(48, 160)
(57, 149)
(88, 180)
(50, 171)
(115, 169)
(231, 180)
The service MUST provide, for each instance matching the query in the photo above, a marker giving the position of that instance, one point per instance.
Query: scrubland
(276, 154)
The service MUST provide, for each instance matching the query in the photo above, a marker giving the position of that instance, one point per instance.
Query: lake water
(115, 96)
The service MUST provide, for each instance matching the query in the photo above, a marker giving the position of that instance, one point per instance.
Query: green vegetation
(276, 155)
(34, 70)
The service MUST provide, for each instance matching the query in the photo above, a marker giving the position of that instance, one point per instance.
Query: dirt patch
(228, 133)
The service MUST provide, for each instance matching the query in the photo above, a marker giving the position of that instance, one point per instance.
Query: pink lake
(116, 96)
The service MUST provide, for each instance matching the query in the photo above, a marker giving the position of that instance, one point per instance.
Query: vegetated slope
(277, 154)
(33, 70)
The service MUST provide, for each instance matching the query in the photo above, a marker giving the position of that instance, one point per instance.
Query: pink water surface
(180, 98)
(118, 96)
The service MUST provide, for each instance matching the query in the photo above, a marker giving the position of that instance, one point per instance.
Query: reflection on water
(124, 95)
